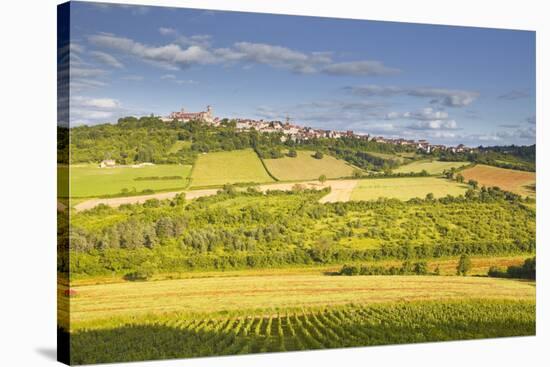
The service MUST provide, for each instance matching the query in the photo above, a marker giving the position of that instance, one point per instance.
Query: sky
(446, 84)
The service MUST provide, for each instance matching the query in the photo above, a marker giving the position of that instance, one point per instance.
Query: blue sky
(448, 85)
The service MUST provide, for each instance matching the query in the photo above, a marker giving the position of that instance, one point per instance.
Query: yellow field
(212, 295)
(506, 179)
(219, 168)
(432, 167)
(405, 188)
(305, 167)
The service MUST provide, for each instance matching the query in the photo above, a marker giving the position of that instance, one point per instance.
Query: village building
(204, 116)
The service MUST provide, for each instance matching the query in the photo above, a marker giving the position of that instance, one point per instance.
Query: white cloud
(275, 56)
(170, 54)
(83, 83)
(185, 81)
(425, 114)
(445, 97)
(133, 78)
(203, 40)
(106, 103)
(107, 59)
(168, 76)
(364, 68)
(528, 133)
(165, 31)
(434, 125)
(86, 110)
(197, 50)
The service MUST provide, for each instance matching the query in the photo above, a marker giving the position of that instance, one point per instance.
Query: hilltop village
(297, 132)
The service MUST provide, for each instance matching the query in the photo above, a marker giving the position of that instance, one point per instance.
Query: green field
(406, 188)
(304, 329)
(219, 168)
(432, 167)
(88, 180)
(251, 314)
(305, 167)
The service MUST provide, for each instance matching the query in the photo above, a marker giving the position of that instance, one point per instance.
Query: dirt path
(341, 191)
(116, 202)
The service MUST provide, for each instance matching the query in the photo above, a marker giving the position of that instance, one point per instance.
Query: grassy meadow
(219, 168)
(89, 180)
(305, 167)
(506, 179)
(405, 188)
(432, 167)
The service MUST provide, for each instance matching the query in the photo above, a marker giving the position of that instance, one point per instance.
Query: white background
(28, 187)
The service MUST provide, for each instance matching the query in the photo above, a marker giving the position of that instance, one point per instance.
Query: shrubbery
(407, 268)
(525, 271)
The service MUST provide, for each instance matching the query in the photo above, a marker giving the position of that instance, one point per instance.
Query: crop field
(405, 188)
(88, 180)
(201, 317)
(432, 167)
(212, 295)
(219, 168)
(305, 167)
(177, 336)
(506, 179)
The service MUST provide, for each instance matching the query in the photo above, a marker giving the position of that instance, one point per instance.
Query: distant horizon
(449, 85)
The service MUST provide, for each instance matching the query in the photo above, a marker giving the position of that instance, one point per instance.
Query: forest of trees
(239, 230)
(512, 157)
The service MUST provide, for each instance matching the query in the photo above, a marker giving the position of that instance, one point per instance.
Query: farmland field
(178, 336)
(432, 167)
(213, 295)
(405, 188)
(88, 180)
(506, 179)
(251, 314)
(305, 167)
(219, 168)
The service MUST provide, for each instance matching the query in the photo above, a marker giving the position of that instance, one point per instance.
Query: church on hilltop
(183, 116)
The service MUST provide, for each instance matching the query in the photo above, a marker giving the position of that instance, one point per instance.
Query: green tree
(421, 268)
(464, 265)
(429, 196)
(473, 183)
(292, 153)
(460, 178)
(322, 178)
(318, 155)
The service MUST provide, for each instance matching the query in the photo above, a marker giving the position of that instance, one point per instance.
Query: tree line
(285, 228)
